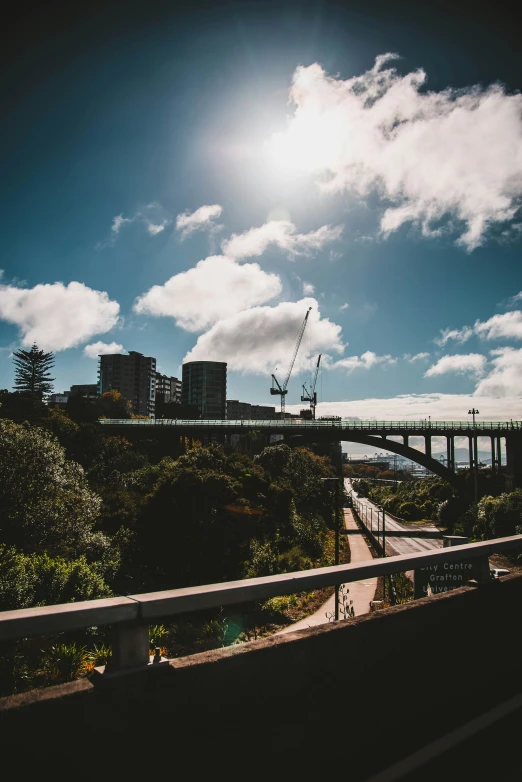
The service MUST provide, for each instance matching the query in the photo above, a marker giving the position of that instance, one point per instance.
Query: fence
(131, 615)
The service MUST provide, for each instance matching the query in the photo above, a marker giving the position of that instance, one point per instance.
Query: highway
(372, 516)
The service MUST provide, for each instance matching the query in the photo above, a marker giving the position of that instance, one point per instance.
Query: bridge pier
(405, 439)
(450, 453)
(513, 463)
(427, 445)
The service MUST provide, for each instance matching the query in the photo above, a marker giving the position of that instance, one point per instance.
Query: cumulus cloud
(202, 219)
(506, 378)
(58, 316)
(344, 306)
(215, 288)
(417, 357)
(261, 340)
(96, 349)
(364, 361)
(308, 288)
(470, 364)
(459, 335)
(508, 325)
(453, 155)
(282, 234)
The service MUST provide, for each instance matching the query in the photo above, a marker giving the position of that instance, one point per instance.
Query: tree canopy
(32, 371)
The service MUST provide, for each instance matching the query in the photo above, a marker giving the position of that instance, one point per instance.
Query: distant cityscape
(201, 392)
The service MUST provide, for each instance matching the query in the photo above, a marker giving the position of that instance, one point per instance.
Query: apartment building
(204, 385)
(134, 376)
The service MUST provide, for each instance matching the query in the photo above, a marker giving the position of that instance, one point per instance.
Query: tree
(112, 404)
(32, 374)
(45, 499)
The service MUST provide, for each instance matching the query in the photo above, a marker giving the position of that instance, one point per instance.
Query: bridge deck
(431, 428)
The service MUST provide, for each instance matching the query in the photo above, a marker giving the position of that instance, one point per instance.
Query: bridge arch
(380, 443)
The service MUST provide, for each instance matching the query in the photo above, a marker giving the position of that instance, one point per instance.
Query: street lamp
(474, 412)
(336, 528)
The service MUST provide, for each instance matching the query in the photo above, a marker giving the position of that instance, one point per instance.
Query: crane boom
(282, 390)
(311, 396)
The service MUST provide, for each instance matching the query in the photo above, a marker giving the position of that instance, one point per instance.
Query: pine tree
(32, 374)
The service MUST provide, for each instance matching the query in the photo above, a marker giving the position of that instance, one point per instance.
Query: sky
(186, 183)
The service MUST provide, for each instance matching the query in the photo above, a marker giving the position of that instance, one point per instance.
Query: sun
(308, 144)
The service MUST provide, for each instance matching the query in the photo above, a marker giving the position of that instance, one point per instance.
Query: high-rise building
(134, 376)
(236, 410)
(169, 388)
(87, 390)
(204, 385)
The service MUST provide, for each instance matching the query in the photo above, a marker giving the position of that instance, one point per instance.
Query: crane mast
(311, 396)
(282, 390)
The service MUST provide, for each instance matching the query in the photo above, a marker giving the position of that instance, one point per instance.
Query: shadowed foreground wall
(354, 696)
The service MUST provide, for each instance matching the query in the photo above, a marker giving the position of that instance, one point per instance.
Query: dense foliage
(86, 515)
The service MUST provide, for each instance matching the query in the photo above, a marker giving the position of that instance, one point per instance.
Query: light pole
(474, 412)
(336, 528)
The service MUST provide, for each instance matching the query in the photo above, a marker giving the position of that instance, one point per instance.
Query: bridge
(375, 434)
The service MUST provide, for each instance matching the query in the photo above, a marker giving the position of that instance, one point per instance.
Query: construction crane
(282, 390)
(311, 396)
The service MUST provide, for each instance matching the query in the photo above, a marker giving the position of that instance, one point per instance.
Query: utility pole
(474, 412)
(336, 529)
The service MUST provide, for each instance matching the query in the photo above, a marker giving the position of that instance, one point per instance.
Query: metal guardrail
(131, 615)
(432, 427)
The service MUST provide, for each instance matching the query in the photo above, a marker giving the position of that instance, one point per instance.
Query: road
(372, 516)
(361, 593)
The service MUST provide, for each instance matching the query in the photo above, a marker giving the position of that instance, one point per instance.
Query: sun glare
(307, 145)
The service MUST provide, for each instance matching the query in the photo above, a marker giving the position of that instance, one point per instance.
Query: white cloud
(214, 289)
(417, 357)
(470, 364)
(58, 316)
(506, 378)
(459, 335)
(453, 154)
(157, 229)
(153, 216)
(201, 219)
(281, 233)
(120, 220)
(344, 306)
(96, 349)
(516, 298)
(261, 340)
(507, 325)
(308, 288)
(364, 361)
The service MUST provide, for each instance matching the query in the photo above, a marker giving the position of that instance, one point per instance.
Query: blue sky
(188, 184)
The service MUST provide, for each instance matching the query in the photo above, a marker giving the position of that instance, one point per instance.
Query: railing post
(130, 645)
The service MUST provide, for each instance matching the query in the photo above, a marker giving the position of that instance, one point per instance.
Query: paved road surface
(394, 545)
(361, 592)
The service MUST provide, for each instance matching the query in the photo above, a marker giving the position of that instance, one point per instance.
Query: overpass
(425, 690)
(374, 434)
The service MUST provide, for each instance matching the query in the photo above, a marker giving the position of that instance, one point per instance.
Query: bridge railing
(426, 426)
(131, 615)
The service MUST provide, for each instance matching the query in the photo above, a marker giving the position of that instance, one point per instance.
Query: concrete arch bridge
(375, 434)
